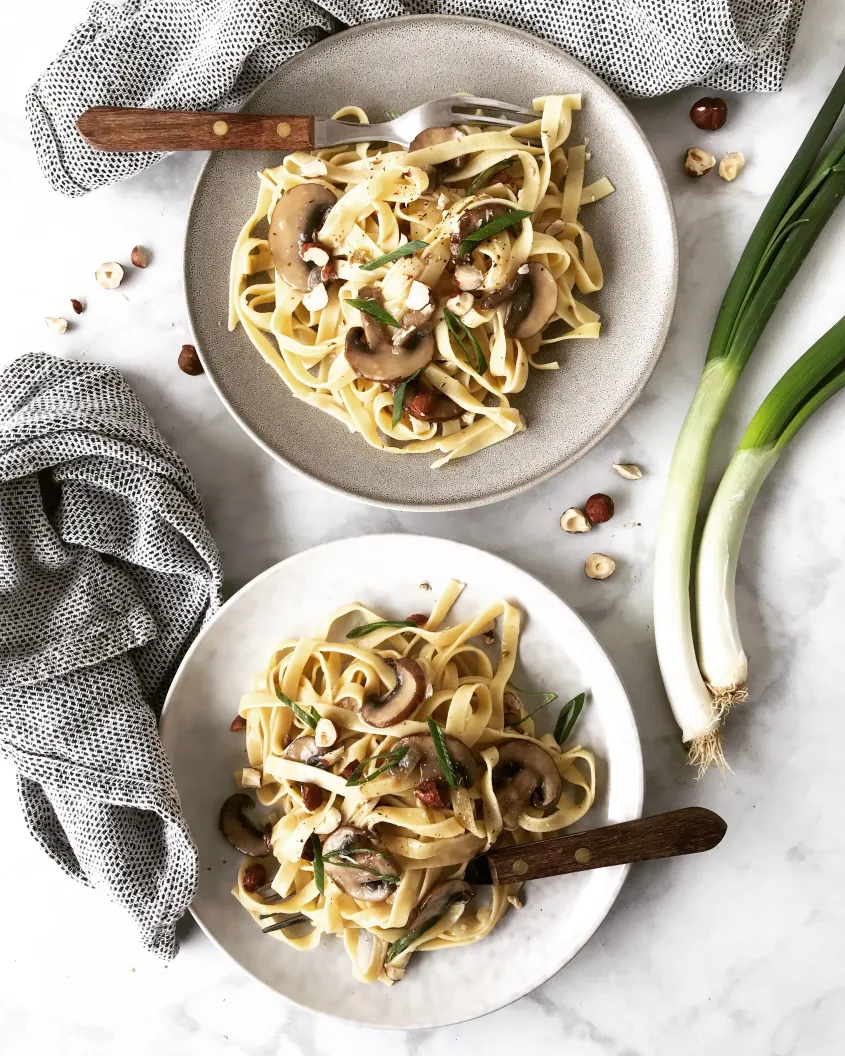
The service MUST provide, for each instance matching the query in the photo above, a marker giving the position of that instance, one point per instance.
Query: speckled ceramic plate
(557, 650)
(394, 65)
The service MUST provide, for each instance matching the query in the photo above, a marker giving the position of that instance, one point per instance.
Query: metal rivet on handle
(283, 129)
(582, 856)
(520, 867)
(220, 128)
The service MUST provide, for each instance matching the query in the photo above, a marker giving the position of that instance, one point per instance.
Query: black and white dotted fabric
(181, 54)
(107, 572)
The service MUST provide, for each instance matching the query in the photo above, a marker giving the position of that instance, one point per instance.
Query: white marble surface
(738, 952)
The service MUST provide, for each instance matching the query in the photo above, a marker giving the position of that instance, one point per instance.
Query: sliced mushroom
(297, 217)
(365, 863)
(470, 221)
(525, 773)
(305, 750)
(384, 361)
(426, 403)
(431, 137)
(402, 701)
(240, 830)
(530, 300)
(422, 753)
(438, 902)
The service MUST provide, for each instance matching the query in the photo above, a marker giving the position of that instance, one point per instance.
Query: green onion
(402, 944)
(308, 718)
(568, 717)
(319, 870)
(513, 216)
(365, 628)
(408, 250)
(795, 215)
(394, 756)
(483, 178)
(809, 383)
(399, 397)
(336, 858)
(547, 699)
(444, 757)
(458, 327)
(374, 309)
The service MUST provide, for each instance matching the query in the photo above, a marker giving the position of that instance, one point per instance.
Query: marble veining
(738, 952)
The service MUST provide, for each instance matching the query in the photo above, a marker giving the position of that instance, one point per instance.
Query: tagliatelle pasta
(375, 199)
(345, 737)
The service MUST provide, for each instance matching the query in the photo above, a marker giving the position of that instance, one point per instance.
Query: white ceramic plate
(557, 650)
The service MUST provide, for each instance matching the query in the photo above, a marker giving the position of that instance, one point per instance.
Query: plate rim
(410, 539)
(566, 463)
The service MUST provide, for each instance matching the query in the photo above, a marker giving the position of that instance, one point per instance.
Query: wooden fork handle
(125, 128)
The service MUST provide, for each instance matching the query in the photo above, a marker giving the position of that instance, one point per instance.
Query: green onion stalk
(808, 384)
(795, 215)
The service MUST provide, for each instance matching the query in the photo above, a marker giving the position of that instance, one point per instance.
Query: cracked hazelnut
(139, 257)
(58, 326)
(312, 797)
(77, 306)
(731, 165)
(628, 470)
(460, 304)
(238, 723)
(599, 508)
(709, 113)
(314, 253)
(573, 520)
(468, 277)
(698, 162)
(109, 275)
(189, 361)
(249, 777)
(317, 299)
(599, 566)
(325, 733)
(255, 876)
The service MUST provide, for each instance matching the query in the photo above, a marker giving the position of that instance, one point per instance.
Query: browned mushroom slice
(297, 217)
(534, 304)
(359, 865)
(402, 701)
(470, 221)
(525, 773)
(423, 755)
(239, 829)
(437, 903)
(304, 750)
(426, 403)
(431, 137)
(384, 361)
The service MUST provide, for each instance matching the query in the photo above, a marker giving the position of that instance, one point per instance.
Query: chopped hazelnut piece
(189, 361)
(109, 275)
(139, 257)
(599, 566)
(249, 777)
(316, 299)
(315, 167)
(731, 165)
(573, 520)
(468, 277)
(698, 162)
(58, 326)
(325, 733)
(77, 306)
(628, 470)
(460, 304)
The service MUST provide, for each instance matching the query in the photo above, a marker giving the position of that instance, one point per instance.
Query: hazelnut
(58, 326)
(331, 821)
(77, 306)
(308, 851)
(468, 277)
(317, 299)
(109, 275)
(238, 723)
(348, 770)
(419, 618)
(189, 361)
(430, 794)
(314, 253)
(314, 167)
(325, 733)
(731, 165)
(423, 404)
(254, 876)
(249, 777)
(599, 566)
(698, 162)
(312, 797)
(599, 508)
(628, 470)
(418, 297)
(460, 304)
(709, 113)
(573, 520)
(139, 257)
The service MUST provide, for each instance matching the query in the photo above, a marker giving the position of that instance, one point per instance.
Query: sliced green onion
(373, 308)
(365, 628)
(483, 178)
(319, 870)
(795, 215)
(568, 717)
(309, 718)
(394, 756)
(399, 397)
(508, 219)
(459, 328)
(402, 944)
(408, 250)
(337, 858)
(444, 756)
(808, 384)
(548, 698)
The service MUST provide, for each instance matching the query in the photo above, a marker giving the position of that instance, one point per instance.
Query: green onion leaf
(513, 216)
(568, 717)
(402, 944)
(408, 250)
(308, 718)
(337, 858)
(483, 178)
(458, 328)
(319, 870)
(365, 628)
(399, 398)
(394, 757)
(447, 763)
(374, 309)
(547, 699)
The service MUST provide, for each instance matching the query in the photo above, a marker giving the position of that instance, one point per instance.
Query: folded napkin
(107, 571)
(180, 54)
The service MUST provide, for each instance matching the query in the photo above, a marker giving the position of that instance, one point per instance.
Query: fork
(137, 128)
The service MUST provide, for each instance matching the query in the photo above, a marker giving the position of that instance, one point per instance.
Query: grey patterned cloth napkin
(209, 55)
(107, 571)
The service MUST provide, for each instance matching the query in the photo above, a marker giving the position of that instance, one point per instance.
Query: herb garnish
(394, 757)
(399, 396)
(483, 178)
(513, 216)
(309, 718)
(408, 250)
(365, 628)
(337, 858)
(319, 870)
(568, 717)
(447, 763)
(458, 328)
(547, 699)
(373, 308)
(402, 944)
